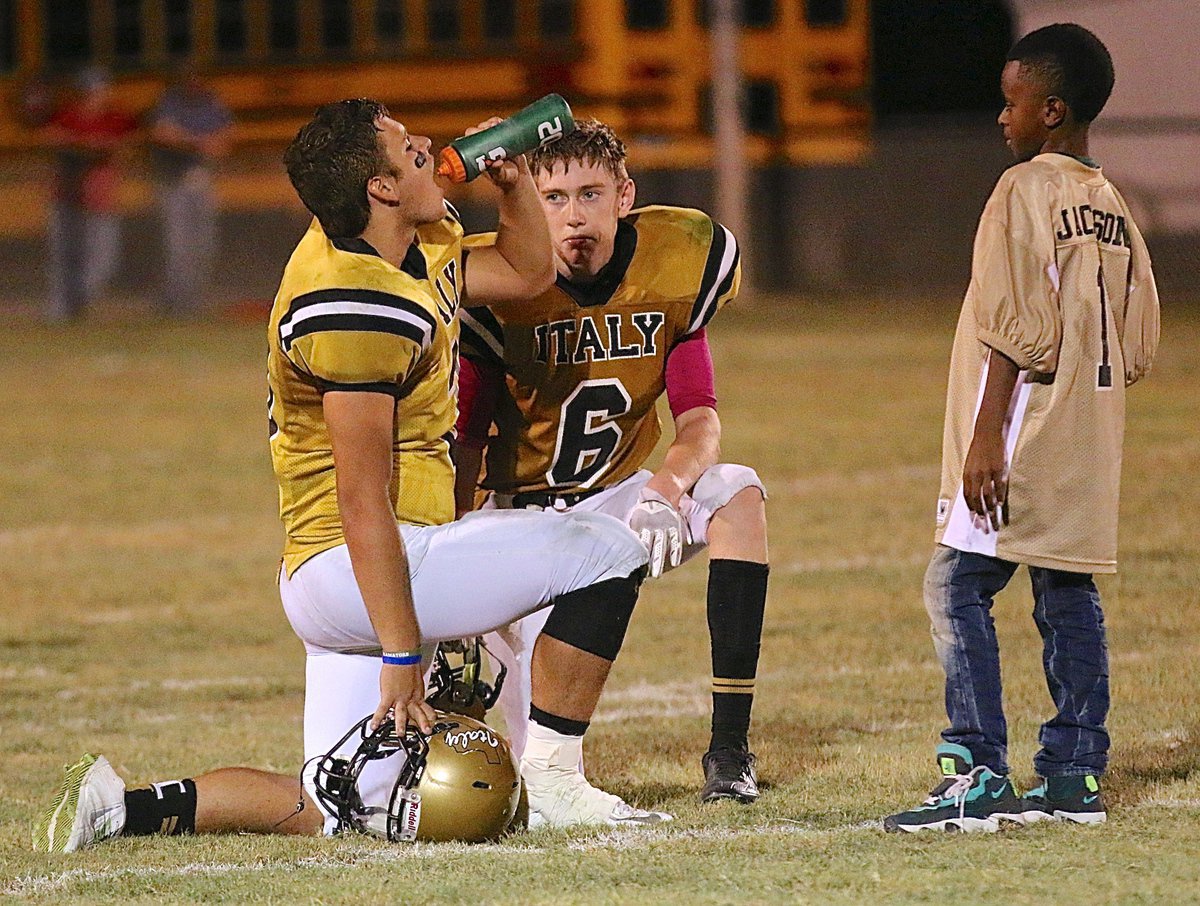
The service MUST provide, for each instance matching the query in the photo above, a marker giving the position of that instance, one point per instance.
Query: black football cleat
(729, 774)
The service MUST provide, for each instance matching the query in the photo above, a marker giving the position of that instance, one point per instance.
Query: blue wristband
(402, 658)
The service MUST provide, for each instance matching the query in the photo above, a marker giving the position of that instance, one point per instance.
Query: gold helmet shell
(470, 784)
(459, 783)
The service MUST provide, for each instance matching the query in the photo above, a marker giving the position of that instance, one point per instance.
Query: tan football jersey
(585, 365)
(345, 319)
(1061, 284)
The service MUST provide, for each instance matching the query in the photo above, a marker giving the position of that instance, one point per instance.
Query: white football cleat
(89, 808)
(560, 796)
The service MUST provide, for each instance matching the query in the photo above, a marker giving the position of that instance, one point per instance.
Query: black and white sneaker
(1076, 799)
(729, 774)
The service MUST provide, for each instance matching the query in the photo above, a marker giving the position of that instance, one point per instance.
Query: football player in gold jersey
(363, 351)
(571, 380)
(1060, 317)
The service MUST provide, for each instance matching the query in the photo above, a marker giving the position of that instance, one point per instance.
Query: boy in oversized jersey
(571, 380)
(361, 370)
(1060, 317)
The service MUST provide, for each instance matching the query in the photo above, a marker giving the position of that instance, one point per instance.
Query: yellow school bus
(642, 65)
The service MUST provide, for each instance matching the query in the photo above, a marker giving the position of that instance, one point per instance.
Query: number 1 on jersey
(1104, 376)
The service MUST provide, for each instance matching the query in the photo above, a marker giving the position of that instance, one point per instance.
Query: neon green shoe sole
(89, 807)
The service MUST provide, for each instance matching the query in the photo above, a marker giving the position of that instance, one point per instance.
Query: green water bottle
(541, 122)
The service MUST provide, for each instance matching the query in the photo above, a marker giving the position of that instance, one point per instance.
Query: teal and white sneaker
(969, 799)
(89, 807)
(1077, 799)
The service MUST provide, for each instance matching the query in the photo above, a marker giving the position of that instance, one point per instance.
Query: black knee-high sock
(737, 594)
(165, 808)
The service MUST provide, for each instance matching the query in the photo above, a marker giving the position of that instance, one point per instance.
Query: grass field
(138, 545)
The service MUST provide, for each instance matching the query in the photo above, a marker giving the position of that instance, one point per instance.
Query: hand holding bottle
(497, 140)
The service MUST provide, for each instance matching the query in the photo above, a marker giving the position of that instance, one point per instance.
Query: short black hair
(332, 158)
(1074, 63)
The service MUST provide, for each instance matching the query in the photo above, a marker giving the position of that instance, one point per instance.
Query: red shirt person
(87, 135)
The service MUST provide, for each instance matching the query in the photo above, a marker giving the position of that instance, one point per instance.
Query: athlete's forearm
(523, 236)
(380, 568)
(361, 431)
(697, 447)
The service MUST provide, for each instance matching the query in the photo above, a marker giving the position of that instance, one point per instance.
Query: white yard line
(623, 840)
(614, 840)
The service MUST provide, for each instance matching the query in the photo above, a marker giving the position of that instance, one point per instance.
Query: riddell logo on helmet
(462, 739)
(410, 819)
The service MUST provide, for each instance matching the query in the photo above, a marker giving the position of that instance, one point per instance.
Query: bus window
(556, 18)
(283, 24)
(8, 44)
(444, 25)
(499, 20)
(127, 29)
(825, 12)
(68, 40)
(335, 24)
(178, 14)
(231, 27)
(389, 21)
(646, 15)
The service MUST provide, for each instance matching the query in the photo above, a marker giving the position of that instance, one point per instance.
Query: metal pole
(729, 169)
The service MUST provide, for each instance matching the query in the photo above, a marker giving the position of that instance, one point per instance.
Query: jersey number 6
(587, 433)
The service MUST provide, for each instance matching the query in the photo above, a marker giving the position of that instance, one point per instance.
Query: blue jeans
(959, 588)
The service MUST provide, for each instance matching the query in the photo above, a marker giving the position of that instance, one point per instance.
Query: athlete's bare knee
(748, 504)
(721, 484)
(738, 530)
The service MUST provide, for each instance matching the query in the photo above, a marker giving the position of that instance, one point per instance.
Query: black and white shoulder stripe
(482, 331)
(452, 211)
(719, 271)
(356, 309)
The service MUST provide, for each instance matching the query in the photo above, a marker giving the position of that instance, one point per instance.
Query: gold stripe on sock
(732, 686)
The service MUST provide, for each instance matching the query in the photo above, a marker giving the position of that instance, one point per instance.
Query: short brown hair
(332, 158)
(592, 143)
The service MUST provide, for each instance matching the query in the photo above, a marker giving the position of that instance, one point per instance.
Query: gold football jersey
(345, 319)
(585, 365)
(1061, 284)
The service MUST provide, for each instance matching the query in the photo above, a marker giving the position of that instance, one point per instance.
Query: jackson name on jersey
(584, 364)
(345, 319)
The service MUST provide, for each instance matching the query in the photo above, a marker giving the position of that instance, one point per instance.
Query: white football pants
(468, 577)
(513, 645)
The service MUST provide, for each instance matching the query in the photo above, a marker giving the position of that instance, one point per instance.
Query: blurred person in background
(189, 131)
(87, 134)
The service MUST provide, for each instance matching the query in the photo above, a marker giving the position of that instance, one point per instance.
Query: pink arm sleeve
(689, 377)
(478, 386)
